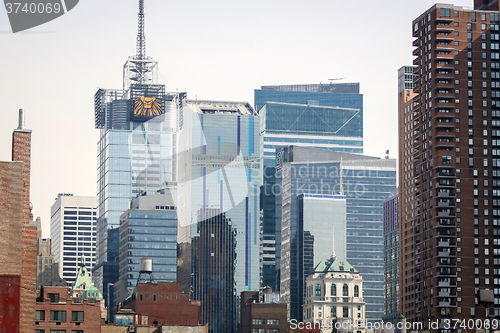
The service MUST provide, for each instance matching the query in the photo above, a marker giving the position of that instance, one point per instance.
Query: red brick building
(18, 237)
(265, 317)
(56, 311)
(164, 304)
(450, 172)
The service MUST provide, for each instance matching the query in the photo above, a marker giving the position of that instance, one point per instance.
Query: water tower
(145, 270)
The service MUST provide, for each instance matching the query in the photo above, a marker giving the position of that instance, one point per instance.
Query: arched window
(345, 290)
(333, 290)
(356, 291)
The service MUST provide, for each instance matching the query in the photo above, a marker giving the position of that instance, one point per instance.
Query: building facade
(18, 237)
(73, 233)
(218, 212)
(148, 229)
(448, 249)
(266, 315)
(136, 152)
(391, 260)
(334, 297)
(47, 270)
(162, 303)
(55, 311)
(327, 116)
(366, 182)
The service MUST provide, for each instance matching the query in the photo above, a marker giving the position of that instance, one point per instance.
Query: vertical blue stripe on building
(255, 198)
(247, 241)
(238, 136)
(218, 145)
(249, 251)
(250, 136)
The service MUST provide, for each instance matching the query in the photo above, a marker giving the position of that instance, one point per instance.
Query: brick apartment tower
(449, 136)
(18, 238)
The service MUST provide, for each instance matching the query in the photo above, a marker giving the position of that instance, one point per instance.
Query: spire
(141, 37)
(140, 69)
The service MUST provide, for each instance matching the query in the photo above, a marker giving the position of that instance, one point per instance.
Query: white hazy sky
(217, 49)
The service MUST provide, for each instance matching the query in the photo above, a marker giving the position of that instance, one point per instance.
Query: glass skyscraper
(149, 229)
(218, 210)
(327, 116)
(366, 182)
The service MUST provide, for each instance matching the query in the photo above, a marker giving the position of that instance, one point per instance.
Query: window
(77, 316)
(273, 330)
(445, 12)
(77, 331)
(356, 291)
(333, 289)
(58, 315)
(57, 331)
(318, 290)
(345, 290)
(345, 312)
(39, 331)
(333, 310)
(40, 315)
(258, 321)
(54, 298)
(273, 321)
(447, 159)
(259, 330)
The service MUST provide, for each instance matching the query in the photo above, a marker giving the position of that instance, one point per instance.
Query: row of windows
(264, 321)
(333, 290)
(59, 315)
(74, 212)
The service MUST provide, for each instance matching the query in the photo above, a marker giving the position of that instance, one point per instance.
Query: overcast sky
(217, 50)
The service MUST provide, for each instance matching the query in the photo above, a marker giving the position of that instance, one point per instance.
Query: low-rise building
(163, 304)
(334, 297)
(262, 315)
(57, 312)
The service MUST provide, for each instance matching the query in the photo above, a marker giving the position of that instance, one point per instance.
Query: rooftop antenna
(141, 37)
(140, 69)
(387, 154)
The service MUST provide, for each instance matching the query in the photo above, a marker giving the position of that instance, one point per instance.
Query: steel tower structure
(140, 69)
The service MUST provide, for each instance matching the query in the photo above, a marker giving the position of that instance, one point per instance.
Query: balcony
(446, 244)
(445, 214)
(447, 304)
(451, 274)
(442, 194)
(446, 205)
(445, 254)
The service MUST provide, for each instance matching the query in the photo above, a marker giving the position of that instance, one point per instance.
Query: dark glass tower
(327, 116)
(366, 182)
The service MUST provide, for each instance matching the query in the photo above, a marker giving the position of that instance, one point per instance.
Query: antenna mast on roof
(141, 37)
(140, 69)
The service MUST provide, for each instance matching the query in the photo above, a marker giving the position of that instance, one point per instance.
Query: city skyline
(49, 67)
